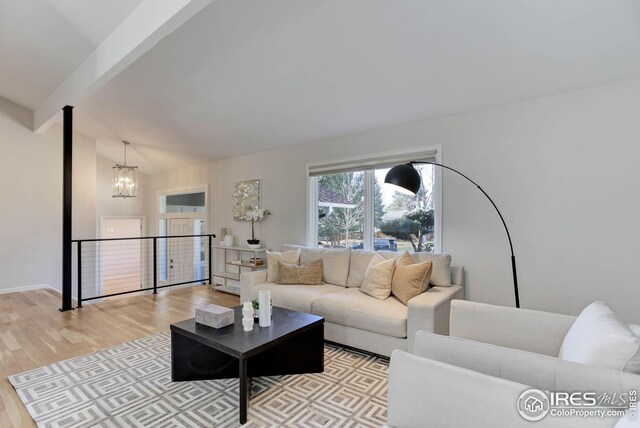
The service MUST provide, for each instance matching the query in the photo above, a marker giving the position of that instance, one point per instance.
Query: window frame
(429, 152)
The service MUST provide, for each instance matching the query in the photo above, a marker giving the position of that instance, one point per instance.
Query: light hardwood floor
(34, 333)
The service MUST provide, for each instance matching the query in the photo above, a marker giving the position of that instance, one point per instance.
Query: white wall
(31, 208)
(564, 170)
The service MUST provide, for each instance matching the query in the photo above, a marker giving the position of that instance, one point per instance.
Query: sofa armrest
(430, 311)
(248, 280)
(528, 368)
(429, 393)
(525, 329)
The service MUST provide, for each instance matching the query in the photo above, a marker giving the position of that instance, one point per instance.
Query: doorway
(181, 251)
(121, 260)
(182, 212)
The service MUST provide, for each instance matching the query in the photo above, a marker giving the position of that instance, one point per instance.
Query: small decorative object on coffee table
(247, 316)
(215, 316)
(256, 308)
(264, 309)
(294, 344)
(256, 214)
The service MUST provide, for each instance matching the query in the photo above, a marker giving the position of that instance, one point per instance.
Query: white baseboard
(28, 288)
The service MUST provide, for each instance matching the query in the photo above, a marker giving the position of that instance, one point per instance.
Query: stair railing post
(155, 265)
(210, 269)
(79, 274)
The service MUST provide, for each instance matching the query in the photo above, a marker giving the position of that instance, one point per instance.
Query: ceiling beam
(133, 37)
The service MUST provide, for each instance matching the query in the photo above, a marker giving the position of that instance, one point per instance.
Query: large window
(351, 206)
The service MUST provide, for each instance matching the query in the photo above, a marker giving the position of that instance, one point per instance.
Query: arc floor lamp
(406, 176)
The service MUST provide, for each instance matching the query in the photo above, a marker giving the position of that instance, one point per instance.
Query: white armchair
(475, 379)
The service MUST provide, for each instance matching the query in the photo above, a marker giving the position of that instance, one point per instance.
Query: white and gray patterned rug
(130, 386)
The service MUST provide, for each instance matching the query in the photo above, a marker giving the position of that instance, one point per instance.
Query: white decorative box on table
(215, 316)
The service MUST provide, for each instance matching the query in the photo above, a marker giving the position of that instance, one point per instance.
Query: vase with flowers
(254, 215)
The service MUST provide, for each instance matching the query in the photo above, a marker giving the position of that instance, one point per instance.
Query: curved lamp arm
(506, 229)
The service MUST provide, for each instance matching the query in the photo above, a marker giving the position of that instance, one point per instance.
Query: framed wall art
(245, 197)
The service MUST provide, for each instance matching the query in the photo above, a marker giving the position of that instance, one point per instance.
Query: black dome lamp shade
(406, 177)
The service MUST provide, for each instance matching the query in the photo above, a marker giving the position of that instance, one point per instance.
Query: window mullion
(368, 210)
(312, 212)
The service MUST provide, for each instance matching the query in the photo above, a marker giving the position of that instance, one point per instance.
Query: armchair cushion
(599, 339)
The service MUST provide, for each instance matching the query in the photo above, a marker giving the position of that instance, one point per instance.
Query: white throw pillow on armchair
(598, 338)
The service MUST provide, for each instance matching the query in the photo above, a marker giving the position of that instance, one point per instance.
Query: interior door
(181, 251)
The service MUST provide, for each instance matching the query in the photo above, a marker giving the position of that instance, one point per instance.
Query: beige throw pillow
(441, 271)
(377, 278)
(410, 279)
(309, 274)
(273, 257)
(405, 260)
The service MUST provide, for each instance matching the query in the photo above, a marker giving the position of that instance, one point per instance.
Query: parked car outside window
(380, 244)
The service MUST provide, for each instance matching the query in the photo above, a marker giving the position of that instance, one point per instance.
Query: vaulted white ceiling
(43, 41)
(243, 76)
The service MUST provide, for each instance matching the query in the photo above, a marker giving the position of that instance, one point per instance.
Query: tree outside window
(399, 222)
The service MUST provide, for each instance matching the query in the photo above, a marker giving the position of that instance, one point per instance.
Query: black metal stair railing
(118, 266)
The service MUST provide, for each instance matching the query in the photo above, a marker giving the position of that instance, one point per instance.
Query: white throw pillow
(273, 257)
(635, 328)
(378, 277)
(358, 266)
(598, 338)
(441, 270)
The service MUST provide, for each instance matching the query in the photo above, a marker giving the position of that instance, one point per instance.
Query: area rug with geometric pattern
(129, 385)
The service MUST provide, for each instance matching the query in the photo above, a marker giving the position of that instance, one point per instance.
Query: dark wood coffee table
(293, 344)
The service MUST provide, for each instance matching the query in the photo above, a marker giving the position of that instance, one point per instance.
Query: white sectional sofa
(354, 318)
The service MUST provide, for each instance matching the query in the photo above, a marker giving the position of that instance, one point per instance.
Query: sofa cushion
(358, 266)
(310, 274)
(274, 257)
(377, 278)
(335, 261)
(441, 271)
(598, 338)
(352, 308)
(296, 297)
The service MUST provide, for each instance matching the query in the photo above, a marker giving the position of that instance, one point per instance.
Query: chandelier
(125, 178)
